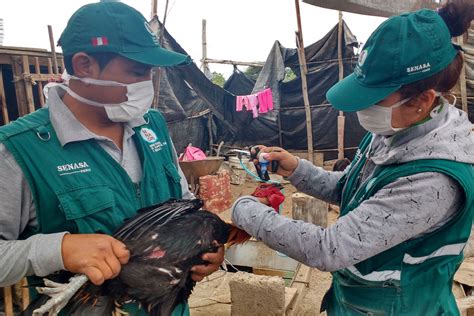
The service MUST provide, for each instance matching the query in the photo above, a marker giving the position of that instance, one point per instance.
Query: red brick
(215, 191)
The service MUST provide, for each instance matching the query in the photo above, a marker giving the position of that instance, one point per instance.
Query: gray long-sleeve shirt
(402, 210)
(41, 254)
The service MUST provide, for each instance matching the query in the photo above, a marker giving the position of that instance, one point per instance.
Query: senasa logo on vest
(150, 137)
(74, 167)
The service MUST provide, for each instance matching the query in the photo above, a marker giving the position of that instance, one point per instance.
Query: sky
(242, 30)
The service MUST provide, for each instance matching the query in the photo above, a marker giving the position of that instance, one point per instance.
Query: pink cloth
(192, 153)
(246, 103)
(253, 101)
(239, 103)
(265, 100)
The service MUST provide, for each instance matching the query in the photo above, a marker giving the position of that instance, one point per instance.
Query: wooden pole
(233, 62)
(304, 85)
(39, 84)
(340, 119)
(25, 294)
(462, 78)
(53, 49)
(204, 64)
(3, 100)
(161, 32)
(28, 84)
(8, 300)
(154, 8)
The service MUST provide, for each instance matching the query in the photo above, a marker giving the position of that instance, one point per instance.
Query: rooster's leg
(60, 294)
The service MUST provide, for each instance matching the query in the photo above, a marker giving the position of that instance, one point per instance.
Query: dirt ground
(212, 297)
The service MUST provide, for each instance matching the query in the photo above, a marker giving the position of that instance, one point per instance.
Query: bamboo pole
(340, 119)
(304, 85)
(39, 84)
(204, 65)
(3, 100)
(53, 49)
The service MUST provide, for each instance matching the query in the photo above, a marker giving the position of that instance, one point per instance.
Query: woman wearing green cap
(407, 199)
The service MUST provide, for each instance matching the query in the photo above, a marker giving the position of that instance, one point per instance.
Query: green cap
(402, 50)
(115, 27)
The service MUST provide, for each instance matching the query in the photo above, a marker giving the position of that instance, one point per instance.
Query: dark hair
(102, 59)
(457, 14)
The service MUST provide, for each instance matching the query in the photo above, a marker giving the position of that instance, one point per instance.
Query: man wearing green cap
(407, 199)
(72, 172)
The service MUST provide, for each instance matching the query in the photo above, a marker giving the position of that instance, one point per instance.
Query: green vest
(414, 277)
(79, 187)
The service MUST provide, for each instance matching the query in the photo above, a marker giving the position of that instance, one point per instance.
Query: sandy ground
(212, 296)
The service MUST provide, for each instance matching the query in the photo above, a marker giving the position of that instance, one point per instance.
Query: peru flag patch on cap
(100, 41)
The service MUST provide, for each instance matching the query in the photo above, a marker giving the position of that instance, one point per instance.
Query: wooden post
(154, 8)
(3, 100)
(462, 78)
(310, 209)
(158, 69)
(25, 294)
(340, 119)
(63, 67)
(204, 64)
(8, 300)
(39, 84)
(50, 67)
(304, 85)
(53, 49)
(28, 84)
(19, 86)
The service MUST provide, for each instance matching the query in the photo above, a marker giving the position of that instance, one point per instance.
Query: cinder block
(253, 294)
(215, 191)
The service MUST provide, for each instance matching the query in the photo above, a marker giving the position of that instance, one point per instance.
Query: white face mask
(139, 98)
(377, 119)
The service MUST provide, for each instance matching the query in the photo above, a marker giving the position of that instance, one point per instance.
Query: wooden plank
(290, 295)
(8, 300)
(39, 84)
(19, 86)
(301, 284)
(41, 77)
(3, 99)
(28, 84)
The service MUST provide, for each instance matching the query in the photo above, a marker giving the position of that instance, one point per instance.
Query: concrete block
(257, 295)
(215, 191)
(310, 209)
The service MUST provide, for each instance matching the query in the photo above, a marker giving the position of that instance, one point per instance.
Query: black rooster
(165, 242)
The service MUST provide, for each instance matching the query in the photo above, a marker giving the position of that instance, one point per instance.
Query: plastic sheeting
(185, 95)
